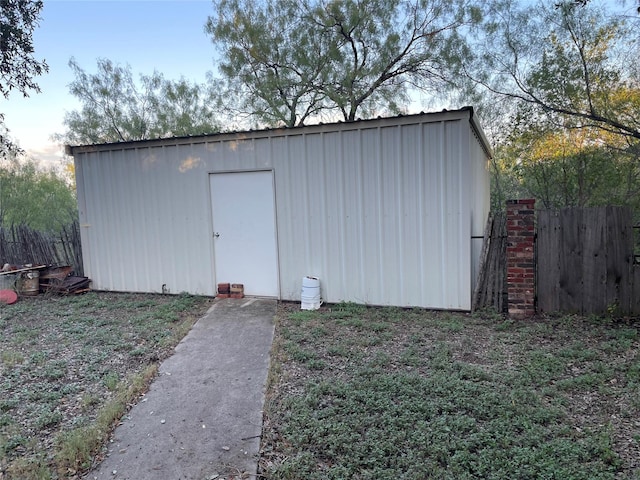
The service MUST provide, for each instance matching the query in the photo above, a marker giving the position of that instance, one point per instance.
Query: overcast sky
(166, 35)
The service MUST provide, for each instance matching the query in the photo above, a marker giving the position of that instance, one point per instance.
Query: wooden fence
(491, 287)
(585, 261)
(21, 245)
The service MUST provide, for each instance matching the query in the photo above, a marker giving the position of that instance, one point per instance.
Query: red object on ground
(8, 296)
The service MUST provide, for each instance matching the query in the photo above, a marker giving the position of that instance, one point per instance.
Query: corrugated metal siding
(383, 212)
(480, 202)
(142, 224)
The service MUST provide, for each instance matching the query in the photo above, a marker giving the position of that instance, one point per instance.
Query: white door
(244, 226)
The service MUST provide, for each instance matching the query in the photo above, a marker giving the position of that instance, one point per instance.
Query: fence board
(498, 257)
(571, 287)
(594, 268)
(479, 291)
(635, 291)
(491, 285)
(619, 258)
(548, 261)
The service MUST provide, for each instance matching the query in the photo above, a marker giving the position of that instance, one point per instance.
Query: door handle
(216, 234)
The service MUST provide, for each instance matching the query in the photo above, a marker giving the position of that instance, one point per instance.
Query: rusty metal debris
(71, 284)
(52, 278)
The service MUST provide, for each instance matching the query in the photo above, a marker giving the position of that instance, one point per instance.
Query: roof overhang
(378, 122)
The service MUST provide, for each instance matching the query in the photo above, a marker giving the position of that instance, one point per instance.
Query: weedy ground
(388, 393)
(71, 366)
(354, 392)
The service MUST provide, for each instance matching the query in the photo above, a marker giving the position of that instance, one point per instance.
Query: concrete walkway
(202, 417)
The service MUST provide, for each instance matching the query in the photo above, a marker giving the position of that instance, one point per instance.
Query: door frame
(275, 224)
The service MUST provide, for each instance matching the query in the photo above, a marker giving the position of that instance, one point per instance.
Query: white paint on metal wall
(480, 202)
(382, 211)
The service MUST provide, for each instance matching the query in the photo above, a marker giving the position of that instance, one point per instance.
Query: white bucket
(310, 296)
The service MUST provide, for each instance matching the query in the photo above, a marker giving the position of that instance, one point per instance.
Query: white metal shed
(389, 211)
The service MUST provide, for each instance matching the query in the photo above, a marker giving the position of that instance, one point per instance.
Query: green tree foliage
(18, 20)
(115, 108)
(271, 59)
(381, 47)
(289, 60)
(566, 61)
(40, 199)
(566, 167)
(563, 84)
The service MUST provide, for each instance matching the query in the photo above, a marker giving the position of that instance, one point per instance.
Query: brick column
(521, 265)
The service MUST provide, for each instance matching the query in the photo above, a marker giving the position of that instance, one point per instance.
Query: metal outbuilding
(389, 211)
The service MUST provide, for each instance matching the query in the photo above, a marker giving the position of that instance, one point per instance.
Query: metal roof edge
(475, 124)
(286, 131)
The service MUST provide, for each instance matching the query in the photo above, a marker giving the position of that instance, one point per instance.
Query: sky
(165, 35)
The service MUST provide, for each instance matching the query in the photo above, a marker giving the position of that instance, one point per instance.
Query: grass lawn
(353, 393)
(71, 366)
(388, 393)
